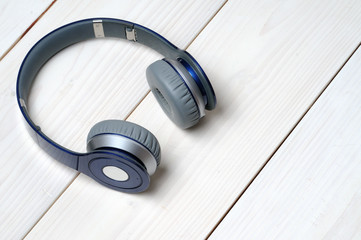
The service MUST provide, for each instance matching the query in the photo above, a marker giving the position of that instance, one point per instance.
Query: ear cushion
(172, 93)
(130, 130)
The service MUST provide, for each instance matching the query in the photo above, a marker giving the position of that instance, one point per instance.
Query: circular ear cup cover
(172, 94)
(130, 130)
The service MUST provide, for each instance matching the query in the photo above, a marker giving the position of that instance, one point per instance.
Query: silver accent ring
(126, 144)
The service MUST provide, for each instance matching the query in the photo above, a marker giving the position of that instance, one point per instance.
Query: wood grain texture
(82, 85)
(268, 61)
(311, 188)
(16, 16)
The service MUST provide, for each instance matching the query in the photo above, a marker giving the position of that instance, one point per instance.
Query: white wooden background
(279, 158)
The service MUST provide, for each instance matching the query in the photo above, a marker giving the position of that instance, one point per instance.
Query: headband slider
(131, 34)
(22, 103)
(98, 28)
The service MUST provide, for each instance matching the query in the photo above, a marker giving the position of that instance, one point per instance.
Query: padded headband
(86, 29)
(83, 30)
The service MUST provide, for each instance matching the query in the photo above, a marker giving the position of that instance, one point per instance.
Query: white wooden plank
(82, 85)
(268, 60)
(15, 17)
(310, 189)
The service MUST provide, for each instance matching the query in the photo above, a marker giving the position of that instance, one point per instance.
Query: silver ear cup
(126, 144)
(127, 137)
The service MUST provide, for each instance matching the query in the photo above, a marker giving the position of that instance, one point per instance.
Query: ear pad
(129, 130)
(172, 94)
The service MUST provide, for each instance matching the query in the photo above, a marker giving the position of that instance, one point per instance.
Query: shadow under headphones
(122, 155)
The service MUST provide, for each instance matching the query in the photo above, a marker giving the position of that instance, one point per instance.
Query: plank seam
(130, 113)
(47, 210)
(190, 43)
(281, 143)
(207, 23)
(26, 31)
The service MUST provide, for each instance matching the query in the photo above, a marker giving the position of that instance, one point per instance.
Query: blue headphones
(122, 155)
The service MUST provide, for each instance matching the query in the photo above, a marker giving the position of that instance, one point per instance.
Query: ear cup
(128, 130)
(172, 94)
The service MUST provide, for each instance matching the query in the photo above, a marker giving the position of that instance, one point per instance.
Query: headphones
(122, 155)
